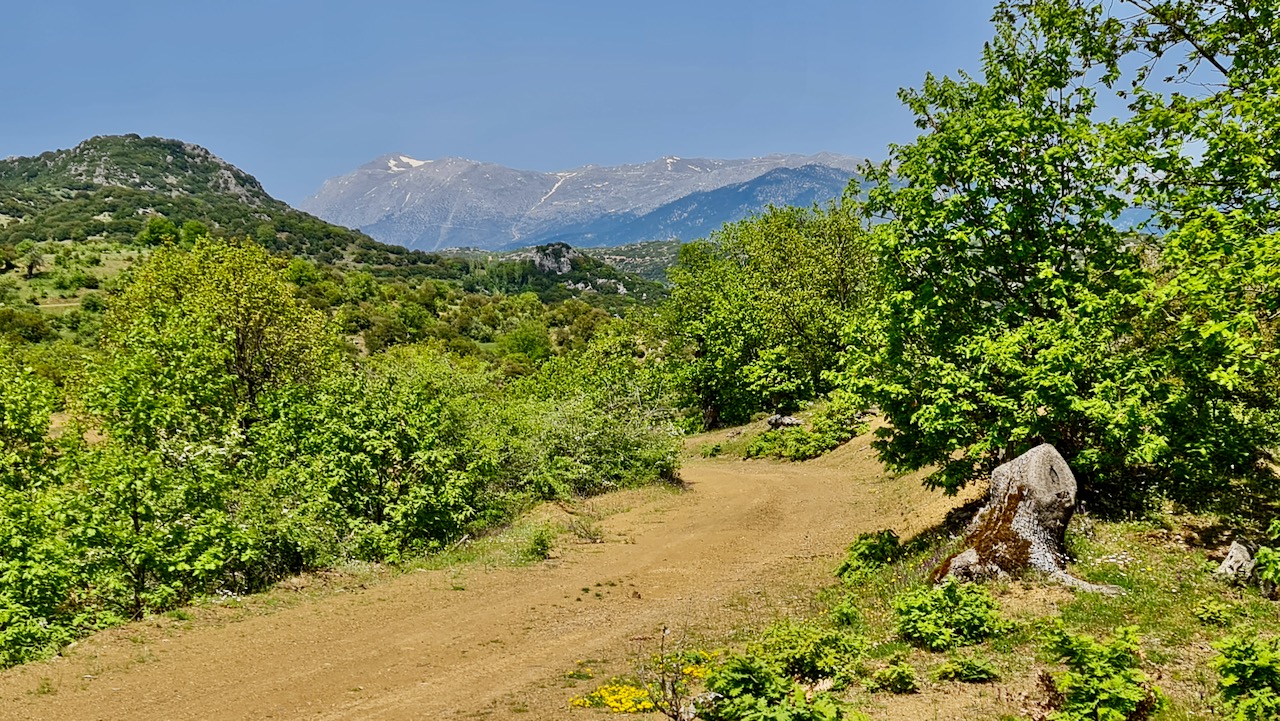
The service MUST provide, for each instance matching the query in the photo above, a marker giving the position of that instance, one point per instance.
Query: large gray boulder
(1024, 524)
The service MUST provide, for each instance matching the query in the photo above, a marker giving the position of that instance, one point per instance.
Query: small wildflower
(618, 697)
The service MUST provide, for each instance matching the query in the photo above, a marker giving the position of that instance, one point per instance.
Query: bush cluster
(220, 439)
(1249, 676)
(897, 677)
(811, 652)
(869, 552)
(833, 425)
(752, 689)
(967, 669)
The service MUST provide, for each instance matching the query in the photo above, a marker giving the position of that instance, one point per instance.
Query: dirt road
(743, 543)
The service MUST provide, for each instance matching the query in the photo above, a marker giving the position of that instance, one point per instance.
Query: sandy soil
(745, 542)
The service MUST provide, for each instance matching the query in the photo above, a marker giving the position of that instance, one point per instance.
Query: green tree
(1203, 161)
(193, 231)
(712, 334)
(1008, 288)
(756, 311)
(30, 257)
(1016, 312)
(529, 341)
(209, 329)
(194, 352)
(159, 230)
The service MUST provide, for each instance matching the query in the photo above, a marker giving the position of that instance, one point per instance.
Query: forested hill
(109, 186)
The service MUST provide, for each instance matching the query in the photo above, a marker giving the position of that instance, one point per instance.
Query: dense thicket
(221, 436)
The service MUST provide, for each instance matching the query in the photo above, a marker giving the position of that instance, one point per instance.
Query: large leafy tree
(1017, 311)
(756, 310)
(1200, 152)
(192, 349)
(1001, 261)
(198, 336)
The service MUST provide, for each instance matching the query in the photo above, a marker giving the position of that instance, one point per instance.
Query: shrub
(540, 544)
(971, 669)
(792, 444)
(1102, 680)
(946, 616)
(1249, 677)
(1268, 563)
(809, 652)
(1212, 613)
(846, 613)
(586, 424)
(898, 677)
(751, 689)
(833, 426)
(869, 552)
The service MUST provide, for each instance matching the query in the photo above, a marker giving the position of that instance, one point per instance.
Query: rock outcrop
(1024, 524)
(778, 421)
(1238, 566)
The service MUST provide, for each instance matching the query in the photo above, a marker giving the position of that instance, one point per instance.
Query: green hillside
(651, 259)
(108, 187)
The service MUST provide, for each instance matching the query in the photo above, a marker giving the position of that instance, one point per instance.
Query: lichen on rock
(1024, 524)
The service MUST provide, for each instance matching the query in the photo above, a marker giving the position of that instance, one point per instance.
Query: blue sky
(295, 92)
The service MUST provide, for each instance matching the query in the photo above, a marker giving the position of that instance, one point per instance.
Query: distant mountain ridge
(454, 202)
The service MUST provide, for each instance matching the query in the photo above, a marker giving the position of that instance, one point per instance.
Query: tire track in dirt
(746, 541)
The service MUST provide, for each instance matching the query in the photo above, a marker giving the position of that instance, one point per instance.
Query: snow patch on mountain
(448, 202)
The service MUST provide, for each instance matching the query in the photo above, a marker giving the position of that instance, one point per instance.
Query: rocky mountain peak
(146, 163)
(455, 202)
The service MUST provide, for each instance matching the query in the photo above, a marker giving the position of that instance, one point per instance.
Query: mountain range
(454, 202)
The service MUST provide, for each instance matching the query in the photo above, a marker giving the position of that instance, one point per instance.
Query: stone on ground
(1023, 527)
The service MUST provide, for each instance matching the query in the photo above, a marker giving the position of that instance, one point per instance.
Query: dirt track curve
(743, 542)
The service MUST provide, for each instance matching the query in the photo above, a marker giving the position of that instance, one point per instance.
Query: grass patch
(1155, 651)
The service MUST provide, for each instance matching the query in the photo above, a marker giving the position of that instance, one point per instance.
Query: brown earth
(746, 542)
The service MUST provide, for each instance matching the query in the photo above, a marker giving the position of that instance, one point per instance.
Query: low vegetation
(1045, 652)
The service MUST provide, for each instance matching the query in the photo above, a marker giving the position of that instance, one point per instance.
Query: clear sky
(295, 92)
